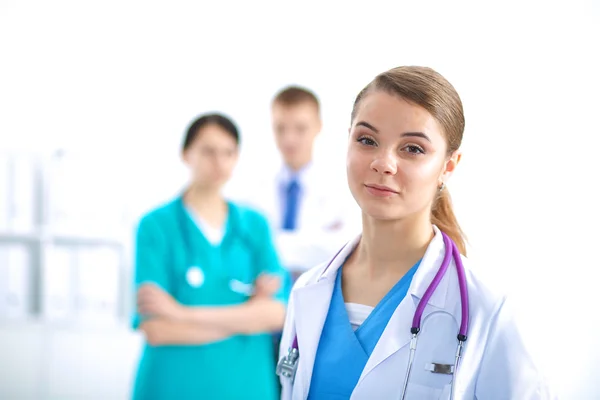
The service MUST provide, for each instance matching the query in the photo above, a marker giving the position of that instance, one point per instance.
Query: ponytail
(443, 217)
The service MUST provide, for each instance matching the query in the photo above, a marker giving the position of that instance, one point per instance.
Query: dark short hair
(207, 119)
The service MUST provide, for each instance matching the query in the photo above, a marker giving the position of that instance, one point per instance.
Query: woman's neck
(209, 204)
(392, 247)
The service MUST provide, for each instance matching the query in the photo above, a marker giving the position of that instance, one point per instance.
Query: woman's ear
(450, 165)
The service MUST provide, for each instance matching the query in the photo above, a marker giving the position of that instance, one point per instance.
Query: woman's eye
(414, 149)
(366, 141)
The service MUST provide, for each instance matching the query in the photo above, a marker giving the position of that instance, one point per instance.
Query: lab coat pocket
(458, 394)
(414, 391)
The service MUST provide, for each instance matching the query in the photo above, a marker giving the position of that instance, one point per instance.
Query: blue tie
(291, 205)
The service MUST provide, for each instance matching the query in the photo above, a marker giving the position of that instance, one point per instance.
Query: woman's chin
(382, 213)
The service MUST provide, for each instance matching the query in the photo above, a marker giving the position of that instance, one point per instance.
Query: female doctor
(398, 313)
(208, 282)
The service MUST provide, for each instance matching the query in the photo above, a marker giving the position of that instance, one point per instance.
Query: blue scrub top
(342, 352)
(168, 245)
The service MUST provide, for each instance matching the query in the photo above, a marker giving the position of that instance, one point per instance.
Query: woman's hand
(266, 285)
(152, 301)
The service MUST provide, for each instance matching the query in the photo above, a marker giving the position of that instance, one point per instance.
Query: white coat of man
(307, 202)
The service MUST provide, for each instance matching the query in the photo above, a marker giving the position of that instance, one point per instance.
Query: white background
(117, 83)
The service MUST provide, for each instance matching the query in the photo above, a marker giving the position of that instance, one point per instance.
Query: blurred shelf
(74, 240)
(20, 237)
(62, 239)
(71, 325)
(20, 321)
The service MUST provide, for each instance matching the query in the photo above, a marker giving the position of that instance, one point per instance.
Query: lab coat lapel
(312, 304)
(395, 336)
(310, 311)
(397, 333)
(274, 201)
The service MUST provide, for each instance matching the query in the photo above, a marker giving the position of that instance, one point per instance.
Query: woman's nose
(385, 163)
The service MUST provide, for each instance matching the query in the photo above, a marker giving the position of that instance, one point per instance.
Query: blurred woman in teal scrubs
(210, 287)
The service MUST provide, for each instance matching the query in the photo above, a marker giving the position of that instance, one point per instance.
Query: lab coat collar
(286, 174)
(310, 314)
(425, 273)
(330, 270)
(397, 335)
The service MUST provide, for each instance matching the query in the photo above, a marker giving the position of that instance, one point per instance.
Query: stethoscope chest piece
(194, 276)
(288, 365)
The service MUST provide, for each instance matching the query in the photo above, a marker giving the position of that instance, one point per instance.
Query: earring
(442, 186)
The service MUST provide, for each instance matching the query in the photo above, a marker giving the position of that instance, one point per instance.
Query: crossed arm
(172, 323)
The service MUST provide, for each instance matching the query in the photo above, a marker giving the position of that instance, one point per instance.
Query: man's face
(296, 127)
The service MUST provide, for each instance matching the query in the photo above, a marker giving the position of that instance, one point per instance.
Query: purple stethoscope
(288, 365)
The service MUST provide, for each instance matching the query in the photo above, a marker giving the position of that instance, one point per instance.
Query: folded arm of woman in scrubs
(169, 322)
(198, 325)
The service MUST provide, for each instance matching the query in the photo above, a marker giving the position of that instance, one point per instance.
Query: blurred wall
(114, 85)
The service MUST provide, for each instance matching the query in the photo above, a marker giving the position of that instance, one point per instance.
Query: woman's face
(397, 157)
(211, 157)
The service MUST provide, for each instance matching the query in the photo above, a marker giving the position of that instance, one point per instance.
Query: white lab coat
(327, 216)
(495, 363)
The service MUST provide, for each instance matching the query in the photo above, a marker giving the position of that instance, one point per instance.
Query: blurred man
(308, 205)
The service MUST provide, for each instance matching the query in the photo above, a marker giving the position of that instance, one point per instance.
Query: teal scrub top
(169, 245)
